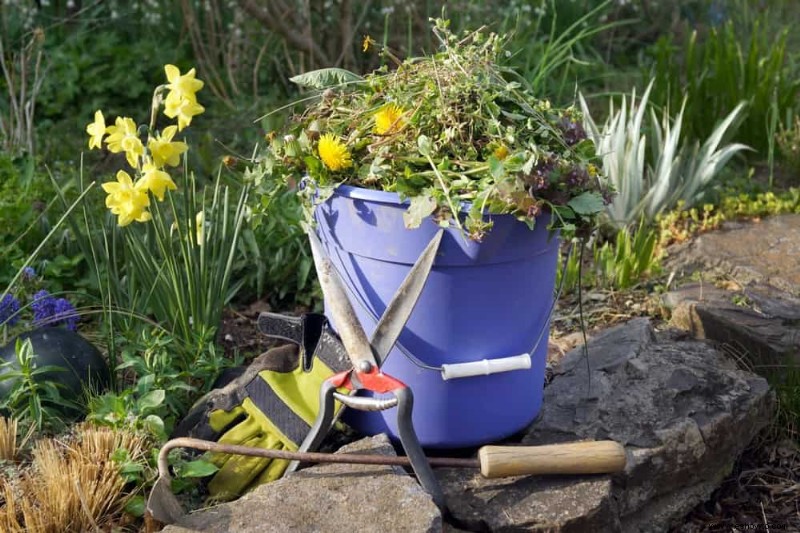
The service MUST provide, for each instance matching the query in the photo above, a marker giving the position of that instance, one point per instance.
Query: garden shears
(367, 356)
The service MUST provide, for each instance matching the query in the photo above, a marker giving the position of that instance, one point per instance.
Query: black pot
(83, 364)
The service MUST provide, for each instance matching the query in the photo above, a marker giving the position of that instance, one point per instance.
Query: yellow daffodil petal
(185, 85)
(123, 137)
(164, 151)
(389, 119)
(183, 109)
(96, 130)
(156, 181)
(199, 224)
(334, 153)
(126, 200)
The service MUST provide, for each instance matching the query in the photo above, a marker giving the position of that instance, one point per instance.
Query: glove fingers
(246, 430)
(239, 471)
(277, 412)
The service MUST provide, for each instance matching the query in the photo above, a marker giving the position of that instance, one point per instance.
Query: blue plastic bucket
(482, 300)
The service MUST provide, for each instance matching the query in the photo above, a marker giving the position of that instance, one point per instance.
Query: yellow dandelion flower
(334, 153)
(501, 152)
(389, 119)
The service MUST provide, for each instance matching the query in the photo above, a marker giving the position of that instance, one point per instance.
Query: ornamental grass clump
(74, 483)
(455, 133)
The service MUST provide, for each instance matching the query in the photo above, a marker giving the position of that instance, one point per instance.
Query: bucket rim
(355, 192)
(373, 195)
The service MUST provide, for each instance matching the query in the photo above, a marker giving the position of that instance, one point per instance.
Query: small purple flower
(51, 311)
(577, 177)
(64, 313)
(43, 306)
(28, 273)
(573, 131)
(9, 307)
(539, 178)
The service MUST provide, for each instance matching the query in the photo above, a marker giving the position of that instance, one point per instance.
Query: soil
(239, 335)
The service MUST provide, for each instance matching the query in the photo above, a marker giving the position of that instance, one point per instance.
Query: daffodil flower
(126, 200)
(182, 87)
(122, 137)
(96, 130)
(334, 153)
(183, 108)
(164, 150)
(155, 180)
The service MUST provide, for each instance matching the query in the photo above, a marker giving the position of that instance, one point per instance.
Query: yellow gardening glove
(277, 413)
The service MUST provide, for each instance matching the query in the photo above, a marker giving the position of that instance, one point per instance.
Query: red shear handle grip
(591, 457)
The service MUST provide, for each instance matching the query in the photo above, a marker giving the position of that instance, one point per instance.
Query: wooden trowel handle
(591, 457)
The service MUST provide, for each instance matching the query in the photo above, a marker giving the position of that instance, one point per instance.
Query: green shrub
(106, 55)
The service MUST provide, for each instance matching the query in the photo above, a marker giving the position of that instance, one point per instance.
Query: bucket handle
(484, 367)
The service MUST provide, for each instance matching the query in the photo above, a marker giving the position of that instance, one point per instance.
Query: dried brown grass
(8, 439)
(71, 484)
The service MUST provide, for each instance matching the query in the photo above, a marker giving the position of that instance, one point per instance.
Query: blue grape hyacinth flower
(51, 311)
(43, 306)
(9, 309)
(65, 314)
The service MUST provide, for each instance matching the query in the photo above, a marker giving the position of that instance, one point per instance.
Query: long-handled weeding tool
(589, 457)
(583, 457)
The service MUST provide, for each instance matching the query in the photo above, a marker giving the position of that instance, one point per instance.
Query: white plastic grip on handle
(486, 367)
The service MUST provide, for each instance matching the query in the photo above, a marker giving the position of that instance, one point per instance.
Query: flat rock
(333, 497)
(766, 251)
(759, 322)
(681, 408)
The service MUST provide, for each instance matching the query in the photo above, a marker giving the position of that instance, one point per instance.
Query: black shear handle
(402, 398)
